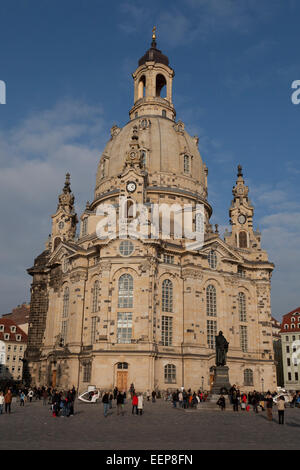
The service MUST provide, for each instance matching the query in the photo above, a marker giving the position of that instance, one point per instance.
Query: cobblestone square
(160, 427)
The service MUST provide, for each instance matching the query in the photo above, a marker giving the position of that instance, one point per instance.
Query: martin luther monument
(221, 380)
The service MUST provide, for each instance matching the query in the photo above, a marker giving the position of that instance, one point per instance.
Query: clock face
(242, 219)
(240, 190)
(131, 186)
(61, 225)
(132, 155)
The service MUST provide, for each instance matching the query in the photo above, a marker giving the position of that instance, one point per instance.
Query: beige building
(13, 343)
(111, 311)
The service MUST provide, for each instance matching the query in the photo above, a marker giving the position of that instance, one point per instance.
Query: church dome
(169, 155)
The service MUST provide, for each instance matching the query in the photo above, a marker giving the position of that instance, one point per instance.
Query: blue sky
(67, 66)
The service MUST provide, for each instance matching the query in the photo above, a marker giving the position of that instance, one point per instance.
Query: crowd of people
(61, 402)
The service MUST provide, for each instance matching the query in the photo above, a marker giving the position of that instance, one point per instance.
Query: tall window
(170, 374)
(124, 327)
(66, 302)
(87, 372)
(243, 241)
(167, 296)
(84, 226)
(166, 330)
(64, 332)
(94, 329)
(186, 164)
(103, 169)
(248, 377)
(211, 301)
(242, 306)
(212, 259)
(125, 291)
(143, 158)
(95, 301)
(211, 333)
(243, 338)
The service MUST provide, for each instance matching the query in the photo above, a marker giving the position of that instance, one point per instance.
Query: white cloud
(34, 157)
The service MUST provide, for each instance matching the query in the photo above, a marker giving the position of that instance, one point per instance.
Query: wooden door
(122, 380)
(54, 378)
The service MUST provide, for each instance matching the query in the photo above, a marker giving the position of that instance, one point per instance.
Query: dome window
(186, 164)
(164, 113)
(126, 248)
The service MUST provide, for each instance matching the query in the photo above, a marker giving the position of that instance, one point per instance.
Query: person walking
(148, 395)
(8, 400)
(140, 404)
(135, 402)
(281, 408)
(269, 404)
(153, 396)
(120, 403)
(1, 402)
(30, 395)
(105, 401)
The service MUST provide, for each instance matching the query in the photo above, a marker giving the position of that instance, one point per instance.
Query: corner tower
(153, 85)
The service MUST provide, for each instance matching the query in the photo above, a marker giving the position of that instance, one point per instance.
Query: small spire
(240, 170)
(67, 182)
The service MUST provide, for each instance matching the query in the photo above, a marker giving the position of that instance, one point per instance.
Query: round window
(212, 259)
(126, 248)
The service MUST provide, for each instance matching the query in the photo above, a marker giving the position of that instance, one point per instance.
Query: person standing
(140, 404)
(105, 401)
(120, 403)
(110, 399)
(281, 408)
(153, 396)
(22, 398)
(1, 402)
(148, 395)
(221, 402)
(269, 404)
(135, 402)
(8, 400)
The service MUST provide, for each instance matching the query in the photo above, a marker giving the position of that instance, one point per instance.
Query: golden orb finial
(154, 33)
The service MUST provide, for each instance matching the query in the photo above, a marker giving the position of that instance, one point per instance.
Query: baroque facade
(110, 311)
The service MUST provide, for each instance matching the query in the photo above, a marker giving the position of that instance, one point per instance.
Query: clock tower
(65, 219)
(241, 215)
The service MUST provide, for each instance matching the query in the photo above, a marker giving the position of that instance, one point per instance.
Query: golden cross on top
(154, 33)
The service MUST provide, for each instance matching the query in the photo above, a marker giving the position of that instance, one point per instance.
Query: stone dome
(165, 146)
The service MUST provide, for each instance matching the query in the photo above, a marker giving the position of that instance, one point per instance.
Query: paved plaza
(160, 427)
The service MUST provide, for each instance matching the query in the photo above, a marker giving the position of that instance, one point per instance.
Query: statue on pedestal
(221, 349)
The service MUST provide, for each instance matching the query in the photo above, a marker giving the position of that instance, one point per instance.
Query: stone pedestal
(221, 380)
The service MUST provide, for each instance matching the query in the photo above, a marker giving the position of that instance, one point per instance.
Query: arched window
(170, 374)
(95, 306)
(211, 301)
(56, 242)
(160, 84)
(242, 306)
(248, 377)
(129, 209)
(66, 299)
(122, 365)
(141, 87)
(125, 291)
(167, 296)
(243, 240)
(103, 169)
